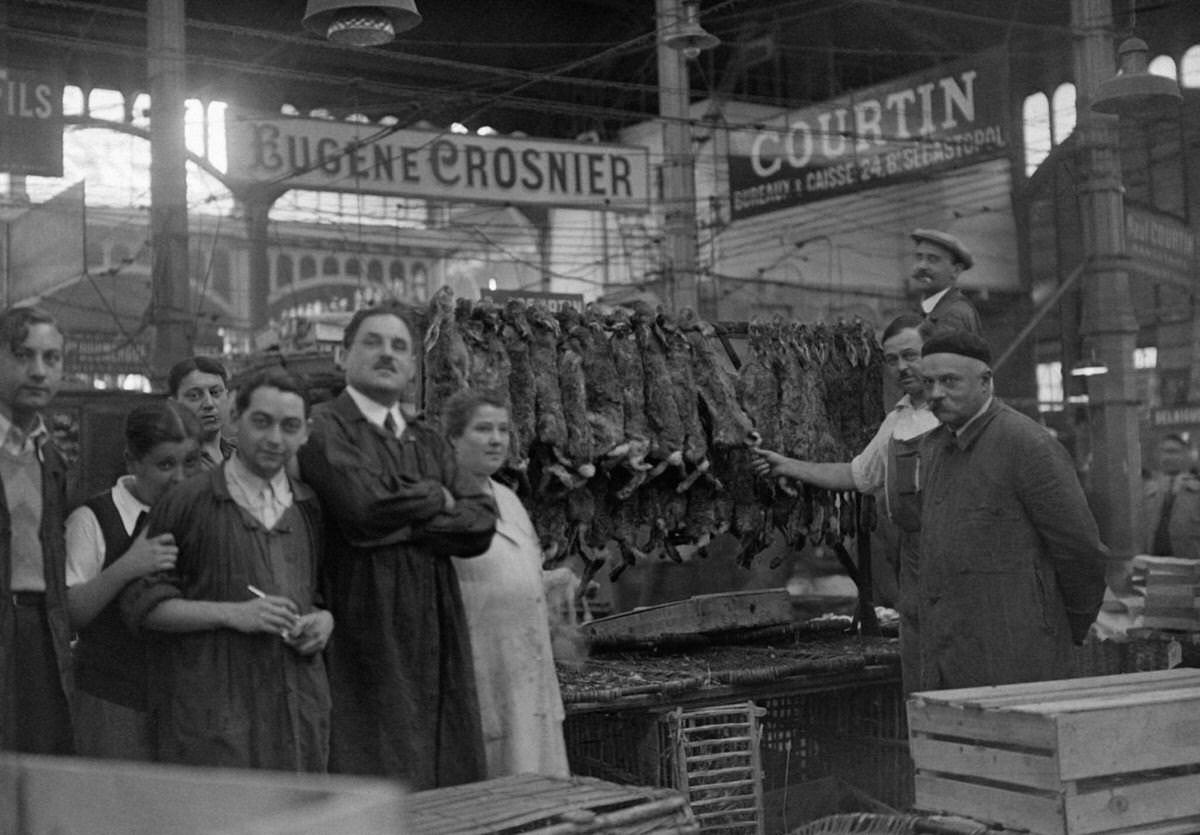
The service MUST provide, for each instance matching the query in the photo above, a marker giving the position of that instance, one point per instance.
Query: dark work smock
(400, 669)
(222, 697)
(1012, 566)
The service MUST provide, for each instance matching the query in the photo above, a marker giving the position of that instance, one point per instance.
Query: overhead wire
(542, 77)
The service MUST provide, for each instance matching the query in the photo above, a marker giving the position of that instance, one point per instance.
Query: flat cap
(945, 239)
(963, 343)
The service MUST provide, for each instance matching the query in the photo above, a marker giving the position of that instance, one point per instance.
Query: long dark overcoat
(404, 701)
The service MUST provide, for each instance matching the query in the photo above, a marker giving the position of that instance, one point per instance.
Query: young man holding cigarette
(237, 675)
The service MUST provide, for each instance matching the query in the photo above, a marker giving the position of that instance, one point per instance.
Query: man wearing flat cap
(938, 260)
(1012, 566)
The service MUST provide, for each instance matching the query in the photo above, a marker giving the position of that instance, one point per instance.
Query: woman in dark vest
(106, 550)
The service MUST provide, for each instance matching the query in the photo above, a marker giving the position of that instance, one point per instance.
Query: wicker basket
(879, 824)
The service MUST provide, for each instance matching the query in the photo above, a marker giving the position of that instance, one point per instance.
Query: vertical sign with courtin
(31, 121)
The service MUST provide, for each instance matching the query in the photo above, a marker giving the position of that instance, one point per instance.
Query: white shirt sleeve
(868, 468)
(85, 546)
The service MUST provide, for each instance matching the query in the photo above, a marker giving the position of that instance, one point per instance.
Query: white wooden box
(1110, 754)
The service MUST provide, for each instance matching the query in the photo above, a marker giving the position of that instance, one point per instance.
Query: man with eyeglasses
(1012, 566)
(201, 384)
(887, 468)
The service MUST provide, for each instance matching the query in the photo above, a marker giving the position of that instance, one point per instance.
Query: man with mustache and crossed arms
(396, 510)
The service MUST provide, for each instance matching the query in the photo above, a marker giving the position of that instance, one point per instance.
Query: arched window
(420, 282)
(353, 268)
(1164, 65)
(194, 127)
(375, 271)
(215, 124)
(106, 104)
(1035, 120)
(1189, 68)
(396, 280)
(308, 267)
(221, 273)
(139, 112)
(283, 271)
(1064, 112)
(330, 266)
(73, 103)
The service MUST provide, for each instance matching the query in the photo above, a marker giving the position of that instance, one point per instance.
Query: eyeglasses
(197, 395)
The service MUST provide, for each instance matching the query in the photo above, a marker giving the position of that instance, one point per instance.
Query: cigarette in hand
(262, 595)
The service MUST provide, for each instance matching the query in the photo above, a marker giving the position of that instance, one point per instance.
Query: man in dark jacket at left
(238, 679)
(35, 633)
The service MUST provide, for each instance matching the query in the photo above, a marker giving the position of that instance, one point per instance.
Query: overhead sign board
(947, 117)
(331, 155)
(31, 121)
(1160, 246)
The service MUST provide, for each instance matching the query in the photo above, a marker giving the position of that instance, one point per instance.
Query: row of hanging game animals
(634, 427)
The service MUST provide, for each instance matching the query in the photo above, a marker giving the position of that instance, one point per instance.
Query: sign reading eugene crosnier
(31, 121)
(331, 155)
(946, 117)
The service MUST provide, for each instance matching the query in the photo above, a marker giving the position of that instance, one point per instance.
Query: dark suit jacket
(954, 311)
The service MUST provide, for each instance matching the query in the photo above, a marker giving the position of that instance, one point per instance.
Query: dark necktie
(139, 524)
(1162, 534)
(390, 424)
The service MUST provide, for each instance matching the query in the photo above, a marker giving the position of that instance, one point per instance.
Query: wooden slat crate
(530, 803)
(1109, 754)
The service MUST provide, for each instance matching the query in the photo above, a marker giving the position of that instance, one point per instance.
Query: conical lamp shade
(361, 23)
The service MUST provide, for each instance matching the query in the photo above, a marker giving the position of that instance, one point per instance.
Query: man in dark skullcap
(939, 258)
(1012, 566)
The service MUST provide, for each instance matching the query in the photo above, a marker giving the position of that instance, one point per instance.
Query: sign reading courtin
(1160, 246)
(946, 117)
(352, 156)
(31, 121)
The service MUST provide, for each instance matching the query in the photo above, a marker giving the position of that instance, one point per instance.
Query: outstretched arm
(830, 476)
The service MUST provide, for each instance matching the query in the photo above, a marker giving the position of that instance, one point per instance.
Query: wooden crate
(719, 767)
(1170, 584)
(1082, 756)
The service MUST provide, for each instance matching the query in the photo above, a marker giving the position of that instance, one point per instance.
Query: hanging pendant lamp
(688, 36)
(360, 23)
(1134, 90)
